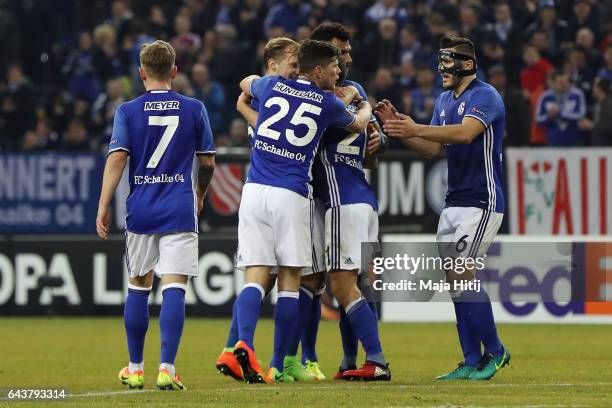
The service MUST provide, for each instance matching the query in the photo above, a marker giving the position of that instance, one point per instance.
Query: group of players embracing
(306, 206)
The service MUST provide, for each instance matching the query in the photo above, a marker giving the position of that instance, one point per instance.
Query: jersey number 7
(171, 123)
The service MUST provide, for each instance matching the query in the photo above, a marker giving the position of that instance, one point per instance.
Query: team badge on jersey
(461, 108)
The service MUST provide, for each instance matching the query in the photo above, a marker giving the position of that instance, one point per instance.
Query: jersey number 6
(297, 119)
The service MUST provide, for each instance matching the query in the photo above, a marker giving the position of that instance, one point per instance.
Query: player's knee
(145, 281)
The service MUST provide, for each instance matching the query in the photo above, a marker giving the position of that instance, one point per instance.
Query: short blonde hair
(277, 48)
(157, 59)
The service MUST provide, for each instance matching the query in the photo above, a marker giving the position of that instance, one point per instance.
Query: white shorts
(273, 227)
(175, 253)
(346, 228)
(466, 231)
(318, 239)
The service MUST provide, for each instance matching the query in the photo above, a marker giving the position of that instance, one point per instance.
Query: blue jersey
(250, 131)
(293, 114)
(162, 131)
(474, 169)
(338, 173)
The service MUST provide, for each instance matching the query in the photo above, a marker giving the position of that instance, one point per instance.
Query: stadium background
(68, 64)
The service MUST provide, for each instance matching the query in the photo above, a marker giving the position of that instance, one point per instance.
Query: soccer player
(350, 219)
(162, 131)
(468, 123)
(280, 58)
(274, 217)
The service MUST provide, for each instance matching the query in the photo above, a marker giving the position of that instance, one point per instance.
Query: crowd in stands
(67, 64)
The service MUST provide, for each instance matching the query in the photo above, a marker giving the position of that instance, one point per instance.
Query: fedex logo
(583, 285)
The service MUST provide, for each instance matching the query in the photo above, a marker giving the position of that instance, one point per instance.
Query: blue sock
(171, 322)
(350, 342)
(304, 313)
(366, 327)
(136, 318)
(232, 336)
(310, 329)
(468, 336)
(286, 315)
(479, 308)
(248, 306)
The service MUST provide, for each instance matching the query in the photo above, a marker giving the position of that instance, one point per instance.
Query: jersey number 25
(298, 118)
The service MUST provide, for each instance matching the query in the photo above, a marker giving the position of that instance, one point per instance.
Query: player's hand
(385, 111)
(103, 222)
(373, 140)
(244, 99)
(402, 127)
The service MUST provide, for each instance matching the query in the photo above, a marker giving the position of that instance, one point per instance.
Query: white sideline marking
(256, 387)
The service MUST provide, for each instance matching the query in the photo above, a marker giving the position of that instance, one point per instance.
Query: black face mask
(455, 69)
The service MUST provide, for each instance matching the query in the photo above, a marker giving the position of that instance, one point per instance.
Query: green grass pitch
(552, 365)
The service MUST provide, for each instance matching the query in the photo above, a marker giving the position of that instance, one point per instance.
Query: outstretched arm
(386, 112)
(113, 170)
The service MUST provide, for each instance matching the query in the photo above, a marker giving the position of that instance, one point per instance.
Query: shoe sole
(386, 377)
(169, 387)
(225, 370)
(250, 376)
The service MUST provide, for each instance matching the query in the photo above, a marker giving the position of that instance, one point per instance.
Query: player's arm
(386, 112)
(205, 150)
(113, 170)
(347, 94)
(245, 84)
(244, 108)
(205, 175)
(405, 128)
(362, 118)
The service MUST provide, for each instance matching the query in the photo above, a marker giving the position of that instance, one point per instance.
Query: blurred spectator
(601, 124)
(386, 9)
(108, 61)
(182, 85)
(585, 39)
(582, 17)
(533, 76)
(9, 37)
(384, 86)
(158, 23)
(79, 69)
(203, 14)
(238, 133)
(224, 65)
(103, 110)
(75, 138)
(381, 49)
(185, 42)
(556, 29)
(518, 113)
(469, 26)
(424, 96)
(42, 137)
(287, 15)
(211, 93)
(580, 73)
(16, 107)
(121, 18)
(560, 109)
(606, 70)
(407, 78)
(229, 13)
(411, 48)
(510, 37)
